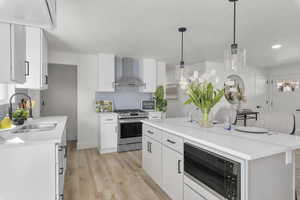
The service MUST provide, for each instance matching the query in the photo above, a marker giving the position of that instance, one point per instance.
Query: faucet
(10, 110)
(191, 113)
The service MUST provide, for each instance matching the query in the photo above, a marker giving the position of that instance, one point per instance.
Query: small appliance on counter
(148, 105)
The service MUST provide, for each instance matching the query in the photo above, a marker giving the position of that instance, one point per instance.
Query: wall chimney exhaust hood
(129, 74)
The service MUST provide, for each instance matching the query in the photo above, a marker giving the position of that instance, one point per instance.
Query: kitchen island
(189, 162)
(33, 161)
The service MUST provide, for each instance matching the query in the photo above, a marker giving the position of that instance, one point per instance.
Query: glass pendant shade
(234, 59)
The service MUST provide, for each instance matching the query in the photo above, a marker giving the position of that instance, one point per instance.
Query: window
(5, 92)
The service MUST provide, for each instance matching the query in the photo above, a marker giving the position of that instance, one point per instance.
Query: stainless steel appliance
(214, 172)
(130, 129)
(148, 105)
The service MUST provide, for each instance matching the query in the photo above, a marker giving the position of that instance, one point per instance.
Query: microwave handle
(179, 166)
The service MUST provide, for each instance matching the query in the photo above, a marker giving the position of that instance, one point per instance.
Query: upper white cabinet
(161, 73)
(37, 60)
(29, 12)
(12, 53)
(106, 73)
(148, 74)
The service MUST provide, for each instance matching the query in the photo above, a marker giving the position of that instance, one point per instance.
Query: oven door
(130, 129)
(217, 173)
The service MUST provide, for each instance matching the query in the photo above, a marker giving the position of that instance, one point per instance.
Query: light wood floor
(115, 176)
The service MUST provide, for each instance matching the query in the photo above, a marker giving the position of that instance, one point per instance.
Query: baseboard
(81, 146)
(103, 151)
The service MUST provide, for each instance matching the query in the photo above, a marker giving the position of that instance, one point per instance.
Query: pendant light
(234, 58)
(182, 71)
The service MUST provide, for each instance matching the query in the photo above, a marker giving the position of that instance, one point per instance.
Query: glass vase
(205, 120)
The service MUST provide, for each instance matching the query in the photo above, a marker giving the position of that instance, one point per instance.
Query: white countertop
(29, 138)
(242, 145)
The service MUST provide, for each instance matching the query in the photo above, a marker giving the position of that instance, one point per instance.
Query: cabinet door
(33, 57)
(44, 61)
(18, 47)
(172, 166)
(152, 159)
(106, 73)
(148, 74)
(12, 53)
(161, 73)
(109, 136)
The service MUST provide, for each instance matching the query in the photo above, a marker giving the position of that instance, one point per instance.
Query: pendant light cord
(181, 62)
(234, 22)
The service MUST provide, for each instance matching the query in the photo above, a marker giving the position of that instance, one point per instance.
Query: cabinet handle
(109, 119)
(170, 141)
(46, 79)
(150, 132)
(61, 197)
(66, 151)
(179, 166)
(26, 68)
(60, 148)
(149, 145)
(61, 171)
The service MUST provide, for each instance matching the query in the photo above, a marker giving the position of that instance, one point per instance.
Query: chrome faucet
(10, 110)
(191, 113)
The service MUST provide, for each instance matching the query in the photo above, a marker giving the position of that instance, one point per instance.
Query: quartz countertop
(8, 139)
(246, 146)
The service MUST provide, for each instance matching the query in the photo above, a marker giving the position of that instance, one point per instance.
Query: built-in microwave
(217, 173)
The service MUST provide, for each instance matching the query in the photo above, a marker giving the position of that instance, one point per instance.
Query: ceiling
(148, 28)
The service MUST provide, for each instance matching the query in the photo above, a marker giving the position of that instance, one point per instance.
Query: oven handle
(130, 121)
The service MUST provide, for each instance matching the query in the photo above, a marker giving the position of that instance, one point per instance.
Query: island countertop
(242, 145)
(53, 136)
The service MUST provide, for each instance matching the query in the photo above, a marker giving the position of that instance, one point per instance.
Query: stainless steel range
(130, 129)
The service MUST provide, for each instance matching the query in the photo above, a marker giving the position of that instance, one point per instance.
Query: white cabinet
(37, 60)
(12, 53)
(106, 73)
(108, 133)
(148, 74)
(161, 73)
(190, 194)
(29, 12)
(152, 150)
(172, 171)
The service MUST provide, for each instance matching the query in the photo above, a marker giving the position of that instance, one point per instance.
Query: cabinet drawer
(107, 118)
(152, 133)
(174, 142)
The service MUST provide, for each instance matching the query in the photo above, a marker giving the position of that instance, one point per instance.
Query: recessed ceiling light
(276, 46)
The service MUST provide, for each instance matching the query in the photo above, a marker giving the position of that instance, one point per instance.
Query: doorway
(61, 96)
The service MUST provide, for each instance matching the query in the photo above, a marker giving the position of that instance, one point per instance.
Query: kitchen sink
(36, 127)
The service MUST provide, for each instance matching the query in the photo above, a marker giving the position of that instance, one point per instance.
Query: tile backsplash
(124, 97)
(3, 111)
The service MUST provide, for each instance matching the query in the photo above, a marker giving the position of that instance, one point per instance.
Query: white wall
(254, 86)
(87, 83)
(284, 102)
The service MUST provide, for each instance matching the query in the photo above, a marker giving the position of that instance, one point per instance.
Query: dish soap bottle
(5, 123)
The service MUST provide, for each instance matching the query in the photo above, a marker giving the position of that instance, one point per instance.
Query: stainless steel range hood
(129, 75)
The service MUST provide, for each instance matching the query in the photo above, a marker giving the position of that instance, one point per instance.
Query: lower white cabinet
(152, 159)
(108, 133)
(162, 163)
(172, 172)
